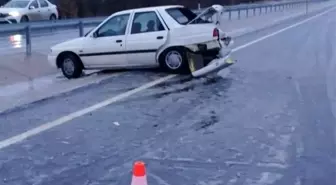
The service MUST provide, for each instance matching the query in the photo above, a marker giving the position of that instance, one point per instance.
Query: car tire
(52, 17)
(174, 60)
(71, 66)
(24, 19)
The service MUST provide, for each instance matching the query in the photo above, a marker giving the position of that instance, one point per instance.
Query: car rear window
(181, 14)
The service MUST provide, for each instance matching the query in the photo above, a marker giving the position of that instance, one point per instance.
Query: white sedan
(17, 11)
(171, 37)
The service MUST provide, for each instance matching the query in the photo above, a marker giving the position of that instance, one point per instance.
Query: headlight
(14, 14)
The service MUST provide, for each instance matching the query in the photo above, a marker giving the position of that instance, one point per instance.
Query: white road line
(18, 138)
(64, 119)
(281, 30)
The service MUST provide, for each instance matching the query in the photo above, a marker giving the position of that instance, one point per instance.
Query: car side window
(115, 26)
(43, 3)
(34, 4)
(144, 22)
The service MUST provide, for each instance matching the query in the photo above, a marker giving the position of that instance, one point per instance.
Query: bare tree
(83, 8)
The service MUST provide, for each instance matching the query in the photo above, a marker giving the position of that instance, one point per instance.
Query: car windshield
(183, 15)
(16, 4)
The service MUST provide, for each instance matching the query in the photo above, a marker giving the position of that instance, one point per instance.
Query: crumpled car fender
(180, 37)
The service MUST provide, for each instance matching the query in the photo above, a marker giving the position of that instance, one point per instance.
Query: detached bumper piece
(200, 67)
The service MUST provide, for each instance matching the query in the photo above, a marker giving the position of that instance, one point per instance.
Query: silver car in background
(17, 11)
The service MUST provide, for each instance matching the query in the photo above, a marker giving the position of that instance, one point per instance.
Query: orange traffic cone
(139, 174)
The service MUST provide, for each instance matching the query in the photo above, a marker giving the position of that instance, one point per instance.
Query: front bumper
(8, 20)
(199, 69)
(52, 60)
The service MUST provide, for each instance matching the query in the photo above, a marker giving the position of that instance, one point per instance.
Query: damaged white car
(171, 37)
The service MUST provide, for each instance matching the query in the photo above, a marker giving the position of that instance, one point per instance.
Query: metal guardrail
(27, 28)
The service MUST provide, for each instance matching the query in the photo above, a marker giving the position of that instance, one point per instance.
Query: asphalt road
(267, 120)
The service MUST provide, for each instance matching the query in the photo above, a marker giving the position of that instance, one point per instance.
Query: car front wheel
(174, 60)
(71, 66)
(24, 19)
(52, 17)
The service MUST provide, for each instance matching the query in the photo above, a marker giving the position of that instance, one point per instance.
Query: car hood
(70, 44)
(7, 10)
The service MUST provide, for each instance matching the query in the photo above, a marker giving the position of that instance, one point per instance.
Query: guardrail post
(81, 28)
(239, 14)
(229, 14)
(28, 40)
(260, 10)
(266, 9)
(254, 11)
(247, 10)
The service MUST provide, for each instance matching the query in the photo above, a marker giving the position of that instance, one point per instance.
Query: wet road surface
(41, 42)
(267, 120)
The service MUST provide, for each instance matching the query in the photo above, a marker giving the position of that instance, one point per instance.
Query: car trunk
(211, 14)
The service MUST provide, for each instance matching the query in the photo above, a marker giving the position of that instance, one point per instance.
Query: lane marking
(281, 30)
(64, 119)
(37, 130)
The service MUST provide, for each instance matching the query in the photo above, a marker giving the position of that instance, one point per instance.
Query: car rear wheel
(24, 19)
(174, 60)
(71, 66)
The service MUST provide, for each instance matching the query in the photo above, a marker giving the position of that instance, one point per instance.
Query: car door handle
(159, 37)
(118, 41)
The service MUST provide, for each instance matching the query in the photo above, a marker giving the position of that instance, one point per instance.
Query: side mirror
(95, 34)
(31, 7)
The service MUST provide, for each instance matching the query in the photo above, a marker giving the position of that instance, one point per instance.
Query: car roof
(149, 8)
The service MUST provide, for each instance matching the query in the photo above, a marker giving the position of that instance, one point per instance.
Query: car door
(33, 12)
(146, 35)
(45, 12)
(106, 46)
